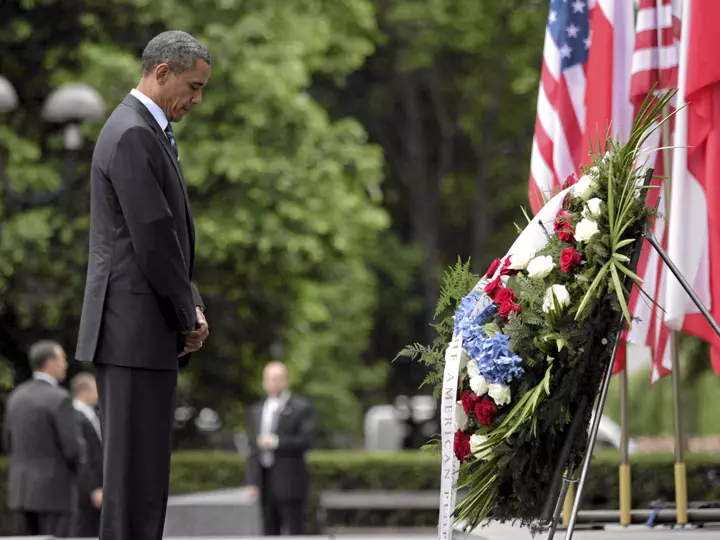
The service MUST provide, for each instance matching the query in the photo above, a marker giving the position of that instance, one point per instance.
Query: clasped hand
(194, 340)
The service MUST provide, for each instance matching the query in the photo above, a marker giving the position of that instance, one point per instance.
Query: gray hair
(41, 352)
(81, 381)
(178, 49)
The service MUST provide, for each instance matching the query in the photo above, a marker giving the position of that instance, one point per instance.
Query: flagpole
(680, 472)
(625, 477)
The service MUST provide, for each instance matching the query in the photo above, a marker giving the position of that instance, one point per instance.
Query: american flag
(654, 66)
(584, 88)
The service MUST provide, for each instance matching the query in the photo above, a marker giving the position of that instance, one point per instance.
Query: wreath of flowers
(535, 333)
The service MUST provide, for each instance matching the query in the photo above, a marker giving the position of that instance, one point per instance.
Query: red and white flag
(654, 66)
(694, 228)
(584, 88)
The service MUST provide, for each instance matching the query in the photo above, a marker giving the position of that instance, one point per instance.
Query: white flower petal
(584, 188)
(476, 442)
(461, 419)
(592, 207)
(585, 230)
(540, 267)
(520, 259)
(560, 295)
(500, 393)
(478, 383)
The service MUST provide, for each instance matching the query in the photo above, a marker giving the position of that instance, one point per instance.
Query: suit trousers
(136, 415)
(41, 523)
(86, 522)
(280, 515)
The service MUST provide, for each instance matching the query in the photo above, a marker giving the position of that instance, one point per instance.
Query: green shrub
(409, 471)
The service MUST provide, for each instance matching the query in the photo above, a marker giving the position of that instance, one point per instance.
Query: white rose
(592, 207)
(520, 260)
(540, 267)
(476, 443)
(461, 419)
(585, 230)
(561, 295)
(500, 393)
(478, 384)
(584, 187)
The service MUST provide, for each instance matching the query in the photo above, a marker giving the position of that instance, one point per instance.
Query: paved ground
(611, 532)
(500, 532)
(495, 532)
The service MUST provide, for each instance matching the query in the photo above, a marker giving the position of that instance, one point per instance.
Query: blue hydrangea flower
(462, 317)
(494, 359)
(486, 315)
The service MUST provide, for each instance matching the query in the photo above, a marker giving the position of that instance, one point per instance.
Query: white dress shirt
(90, 414)
(153, 107)
(268, 424)
(42, 376)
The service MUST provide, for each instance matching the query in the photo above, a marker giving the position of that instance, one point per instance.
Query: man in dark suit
(86, 521)
(41, 437)
(142, 314)
(281, 429)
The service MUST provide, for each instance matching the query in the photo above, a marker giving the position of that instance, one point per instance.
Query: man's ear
(162, 73)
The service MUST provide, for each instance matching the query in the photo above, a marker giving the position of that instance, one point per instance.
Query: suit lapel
(133, 102)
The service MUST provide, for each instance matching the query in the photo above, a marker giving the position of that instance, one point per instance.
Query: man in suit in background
(281, 429)
(142, 314)
(86, 521)
(41, 436)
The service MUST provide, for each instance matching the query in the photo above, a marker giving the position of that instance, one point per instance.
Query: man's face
(275, 380)
(57, 366)
(180, 92)
(92, 395)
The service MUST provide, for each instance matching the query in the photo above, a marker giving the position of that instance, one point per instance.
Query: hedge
(408, 471)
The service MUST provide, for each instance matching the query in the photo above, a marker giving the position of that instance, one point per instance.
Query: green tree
(450, 94)
(287, 201)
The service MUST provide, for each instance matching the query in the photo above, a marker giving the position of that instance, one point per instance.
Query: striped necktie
(171, 137)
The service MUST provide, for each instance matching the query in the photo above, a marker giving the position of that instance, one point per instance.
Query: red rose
(469, 400)
(493, 268)
(567, 235)
(571, 180)
(507, 307)
(492, 288)
(486, 411)
(569, 259)
(506, 270)
(462, 445)
(563, 228)
(503, 295)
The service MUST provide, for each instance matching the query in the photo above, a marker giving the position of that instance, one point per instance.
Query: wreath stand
(564, 464)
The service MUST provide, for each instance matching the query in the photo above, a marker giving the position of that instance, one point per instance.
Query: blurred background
(346, 151)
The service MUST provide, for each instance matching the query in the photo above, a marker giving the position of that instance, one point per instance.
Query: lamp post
(70, 105)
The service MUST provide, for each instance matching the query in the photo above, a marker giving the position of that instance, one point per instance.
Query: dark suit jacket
(138, 295)
(296, 429)
(87, 519)
(45, 449)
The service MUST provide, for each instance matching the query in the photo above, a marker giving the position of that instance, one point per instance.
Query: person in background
(86, 521)
(41, 436)
(281, 429)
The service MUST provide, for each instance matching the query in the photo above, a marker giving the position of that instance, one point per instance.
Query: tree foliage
(287, 200)
(299, 256)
